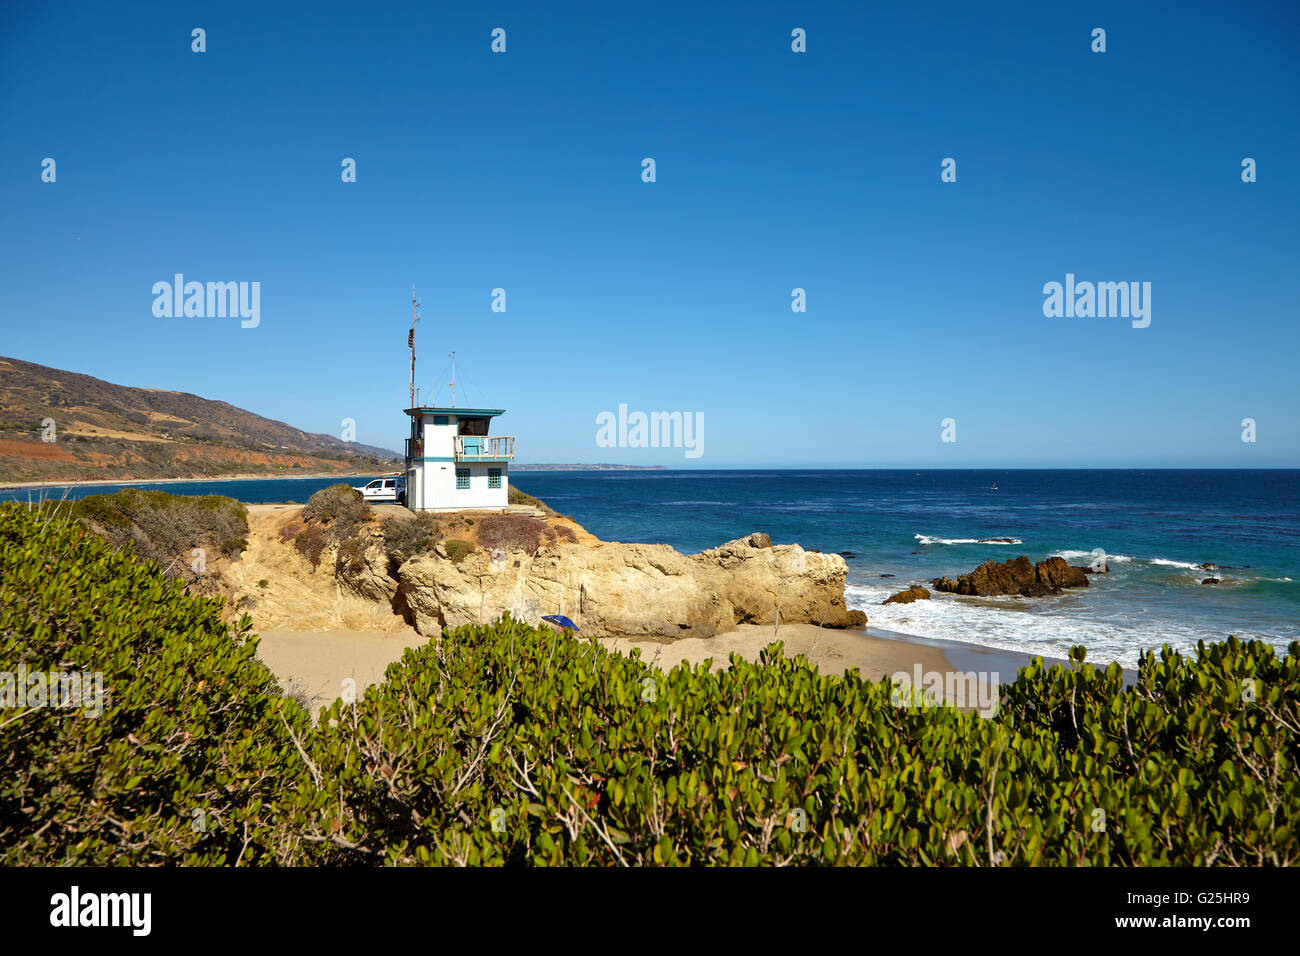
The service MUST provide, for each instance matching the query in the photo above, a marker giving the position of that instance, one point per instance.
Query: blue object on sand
(559, 620)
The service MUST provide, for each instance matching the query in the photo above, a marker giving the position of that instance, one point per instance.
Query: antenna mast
(453, 379)
(410, 339)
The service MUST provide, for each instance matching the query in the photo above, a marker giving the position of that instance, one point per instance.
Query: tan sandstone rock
(629, 590)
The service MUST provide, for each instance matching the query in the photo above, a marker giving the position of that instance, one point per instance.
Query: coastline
(93, 482)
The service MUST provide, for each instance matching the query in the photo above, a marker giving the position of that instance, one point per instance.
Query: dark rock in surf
(1016, 576)
(914, 593)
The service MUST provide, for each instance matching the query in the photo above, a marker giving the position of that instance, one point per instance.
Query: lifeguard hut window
(472, 426)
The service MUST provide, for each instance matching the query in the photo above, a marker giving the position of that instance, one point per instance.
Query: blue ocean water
(1154, 528)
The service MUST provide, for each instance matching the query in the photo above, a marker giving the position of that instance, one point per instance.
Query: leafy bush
(310, 542)
(406, 537)
(161, 527)
(339, 506)
(187, 761)
(457, 550)
(507, 744)
(331, 516)
(352, 554)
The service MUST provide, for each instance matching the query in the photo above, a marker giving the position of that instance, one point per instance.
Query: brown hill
(106, 431)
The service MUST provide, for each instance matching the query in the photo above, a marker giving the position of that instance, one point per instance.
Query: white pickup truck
(390, 488)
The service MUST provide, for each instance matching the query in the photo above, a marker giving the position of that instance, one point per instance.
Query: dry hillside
(106, 431)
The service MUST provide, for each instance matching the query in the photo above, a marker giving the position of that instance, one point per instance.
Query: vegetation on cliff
(509, 744)
(180, 533)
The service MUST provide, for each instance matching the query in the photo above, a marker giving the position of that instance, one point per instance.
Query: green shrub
(457, 550)
(187, 761)
(164, 528)
(508, 744)
(406, 537)
(310, 542)
(341, 506)
(331, 516)
(352, 554)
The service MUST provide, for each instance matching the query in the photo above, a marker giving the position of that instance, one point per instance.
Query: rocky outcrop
(1017, 576)
(1056, 573)
(914, 593)
(1210, 581)
(854, 619)
(630, 590)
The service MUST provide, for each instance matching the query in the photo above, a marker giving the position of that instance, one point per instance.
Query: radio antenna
(410, 339)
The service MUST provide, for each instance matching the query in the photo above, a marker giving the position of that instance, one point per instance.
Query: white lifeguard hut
(452, 464)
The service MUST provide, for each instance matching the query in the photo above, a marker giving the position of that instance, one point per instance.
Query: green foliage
(331, 516)
(509, 744)
(341, 506)
(581, 756)
(161, 527)
(406, 537)
(310, 542)
(457, 550)
(187, 761)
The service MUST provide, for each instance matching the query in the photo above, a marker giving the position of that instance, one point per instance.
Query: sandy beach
(316, 663)
(830, 651)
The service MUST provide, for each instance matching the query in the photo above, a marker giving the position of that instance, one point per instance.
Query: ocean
(901, 527)
(1154, 527)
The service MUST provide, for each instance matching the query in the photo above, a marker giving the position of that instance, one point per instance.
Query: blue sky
(775, 170)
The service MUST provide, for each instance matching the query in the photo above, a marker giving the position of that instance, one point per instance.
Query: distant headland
(604, 466)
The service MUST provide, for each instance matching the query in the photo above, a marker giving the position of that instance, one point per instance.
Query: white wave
(1169, 563)
(1088, 555)
(1030, 627)
(930, 539)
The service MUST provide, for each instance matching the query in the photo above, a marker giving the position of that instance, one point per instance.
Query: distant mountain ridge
(105, 431)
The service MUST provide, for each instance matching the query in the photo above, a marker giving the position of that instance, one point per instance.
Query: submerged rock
(1210, 581)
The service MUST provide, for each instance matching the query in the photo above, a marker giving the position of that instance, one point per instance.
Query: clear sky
(775, 170)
